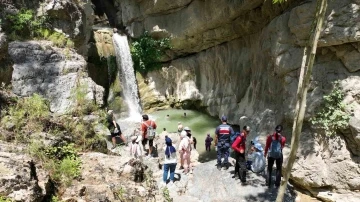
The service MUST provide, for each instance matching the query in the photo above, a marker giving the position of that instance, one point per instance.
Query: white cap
(183, 134)
(186, 128)
(110, 111)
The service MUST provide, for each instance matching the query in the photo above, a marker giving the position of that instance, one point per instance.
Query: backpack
(275, 150)
(233, 137)
(150, 132)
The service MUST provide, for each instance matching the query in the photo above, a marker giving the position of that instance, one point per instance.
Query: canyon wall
(242, 59)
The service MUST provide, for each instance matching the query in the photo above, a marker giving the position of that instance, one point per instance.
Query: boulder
(108, 178)
(21, 178)
(73, 18)
(51, 72)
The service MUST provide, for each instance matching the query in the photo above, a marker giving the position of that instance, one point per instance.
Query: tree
(303, 86)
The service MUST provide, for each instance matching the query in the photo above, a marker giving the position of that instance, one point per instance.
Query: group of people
(225, 140)
(138, 141)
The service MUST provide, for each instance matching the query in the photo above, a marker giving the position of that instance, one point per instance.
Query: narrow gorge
(239, 58)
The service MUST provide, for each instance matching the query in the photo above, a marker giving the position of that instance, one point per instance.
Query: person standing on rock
(169, 161)
(222, 142)
(208, 141)
(239, 147)
(135, 148)
(114, 128)
(148, 128)
(192, 139)
(273, 150)
(185, 153)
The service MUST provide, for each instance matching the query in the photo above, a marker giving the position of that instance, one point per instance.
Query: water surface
(199, 123)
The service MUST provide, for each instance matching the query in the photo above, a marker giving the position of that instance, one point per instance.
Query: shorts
(145, 140)
(115, 134)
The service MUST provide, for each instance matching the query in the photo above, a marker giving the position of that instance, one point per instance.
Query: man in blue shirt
(222, 142)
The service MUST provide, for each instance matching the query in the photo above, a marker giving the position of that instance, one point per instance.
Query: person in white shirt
(169, 161)
(185, 152)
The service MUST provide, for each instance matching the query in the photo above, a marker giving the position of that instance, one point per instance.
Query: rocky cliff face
(51, 72)
(241, 58)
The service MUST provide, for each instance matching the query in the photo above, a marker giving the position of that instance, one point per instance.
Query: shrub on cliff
(62, 162)
(332, 116)
(146, 52)
(27, 116)
(26, 25)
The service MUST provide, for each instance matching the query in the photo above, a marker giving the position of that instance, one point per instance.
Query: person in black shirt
(192, 139)
(114, 128)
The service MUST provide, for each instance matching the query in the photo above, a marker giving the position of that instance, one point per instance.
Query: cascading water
(128, 80)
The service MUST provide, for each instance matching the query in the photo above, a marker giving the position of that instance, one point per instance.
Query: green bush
(67, 170)
(5, 199)
(62, 162)
(332, 116)
(29, 114)
(146, 52)
(26, 24)
(60, 40)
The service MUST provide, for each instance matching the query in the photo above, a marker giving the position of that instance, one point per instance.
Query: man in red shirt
(274, 146)
(144, 127)
(239, 148)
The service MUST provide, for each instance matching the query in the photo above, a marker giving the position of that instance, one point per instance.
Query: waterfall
(127, 76)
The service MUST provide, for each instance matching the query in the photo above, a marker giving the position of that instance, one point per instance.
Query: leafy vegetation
(62, 162)
(332, 116)
(28, 115)
(166, 194)
(4, 199)
(26, 25)
(55, 199)
(146, 52)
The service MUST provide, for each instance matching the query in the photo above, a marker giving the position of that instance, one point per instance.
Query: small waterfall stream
(127, 76)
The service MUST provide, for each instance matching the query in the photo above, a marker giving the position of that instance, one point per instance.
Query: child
(208, 141)
(256, 160)
(135, 148)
